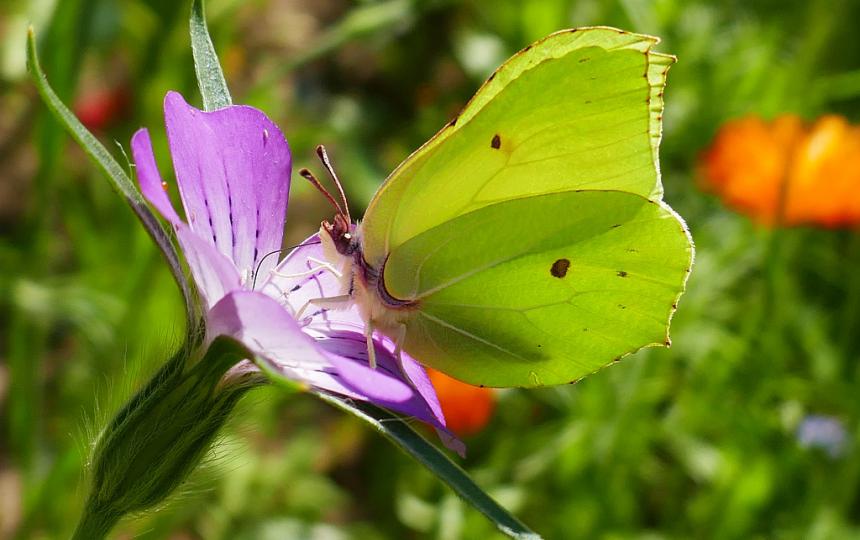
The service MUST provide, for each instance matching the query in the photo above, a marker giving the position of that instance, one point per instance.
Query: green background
(698, 441)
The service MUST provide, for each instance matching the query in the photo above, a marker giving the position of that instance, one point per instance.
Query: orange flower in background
(467, 408)
(813, 171)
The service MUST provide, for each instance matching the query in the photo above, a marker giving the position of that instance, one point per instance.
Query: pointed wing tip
(664, 59)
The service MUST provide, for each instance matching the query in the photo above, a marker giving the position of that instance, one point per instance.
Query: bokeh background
(746, 428)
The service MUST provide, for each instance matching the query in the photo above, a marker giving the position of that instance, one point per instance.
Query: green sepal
(163, 432)
(210, 77)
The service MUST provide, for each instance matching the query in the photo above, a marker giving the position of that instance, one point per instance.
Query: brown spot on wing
(621, 273)
(496, 142)
(559, 268)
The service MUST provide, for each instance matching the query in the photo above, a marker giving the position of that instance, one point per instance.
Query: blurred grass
(695, 441)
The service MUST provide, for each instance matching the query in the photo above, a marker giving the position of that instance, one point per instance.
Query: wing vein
(471, 335)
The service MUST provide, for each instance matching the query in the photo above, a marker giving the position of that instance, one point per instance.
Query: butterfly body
(362, 282)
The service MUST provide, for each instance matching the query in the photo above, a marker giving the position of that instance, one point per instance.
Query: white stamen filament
(246, 276)
(321, 265)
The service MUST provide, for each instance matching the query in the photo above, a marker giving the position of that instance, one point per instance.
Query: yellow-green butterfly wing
(541, 290)
(552, 165)
(578, 110)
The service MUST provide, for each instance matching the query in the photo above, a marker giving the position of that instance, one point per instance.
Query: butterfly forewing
(578, 110)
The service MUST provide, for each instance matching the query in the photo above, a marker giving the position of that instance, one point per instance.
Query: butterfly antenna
(308, 175)
(327, 164)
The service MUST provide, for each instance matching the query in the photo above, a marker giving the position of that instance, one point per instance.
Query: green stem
(95, 523)
(851, 309)
(771, 317)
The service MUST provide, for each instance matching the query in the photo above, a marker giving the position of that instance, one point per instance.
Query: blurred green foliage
(698, 441)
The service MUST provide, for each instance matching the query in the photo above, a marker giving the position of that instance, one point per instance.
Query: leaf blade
(210, 77)
(399, 433)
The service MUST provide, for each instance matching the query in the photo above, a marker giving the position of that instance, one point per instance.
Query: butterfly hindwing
(544, 289)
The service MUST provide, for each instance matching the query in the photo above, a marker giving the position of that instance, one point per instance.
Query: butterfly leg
(371, 349)
(398, 349)
(330, 302)
(398, 343)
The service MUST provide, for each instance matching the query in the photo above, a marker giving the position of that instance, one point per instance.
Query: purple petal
(424, 404)
(233, 170)
(213, 273)
(267, 329)
(336, 362)
(348, 351)
(416, 373)
(149, 178)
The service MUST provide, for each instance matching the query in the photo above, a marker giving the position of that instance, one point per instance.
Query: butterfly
(526, 243)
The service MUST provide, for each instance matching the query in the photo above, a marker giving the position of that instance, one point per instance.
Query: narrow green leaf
(398, 432)
(210, 78)
(117, 176)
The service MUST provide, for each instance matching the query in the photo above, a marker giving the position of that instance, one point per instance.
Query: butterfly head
(342, 234)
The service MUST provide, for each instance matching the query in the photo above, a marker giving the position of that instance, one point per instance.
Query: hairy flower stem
(95, 524)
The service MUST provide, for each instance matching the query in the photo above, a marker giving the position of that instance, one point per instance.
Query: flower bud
(162, 433)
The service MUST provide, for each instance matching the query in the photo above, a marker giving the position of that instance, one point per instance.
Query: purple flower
(233, 170)
(824, 432)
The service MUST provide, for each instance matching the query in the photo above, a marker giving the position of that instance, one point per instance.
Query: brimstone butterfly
(526, 243)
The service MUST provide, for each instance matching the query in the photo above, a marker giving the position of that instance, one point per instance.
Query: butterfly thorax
(362, 281)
